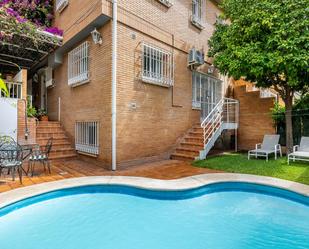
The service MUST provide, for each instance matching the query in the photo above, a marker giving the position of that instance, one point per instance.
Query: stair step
(188, 151)
(62, 147)
(194, 139)
(193, 144)
(183, 157)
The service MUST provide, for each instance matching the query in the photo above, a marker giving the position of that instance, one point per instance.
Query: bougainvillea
(28, 14)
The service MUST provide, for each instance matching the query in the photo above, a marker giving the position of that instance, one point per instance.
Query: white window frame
(198, 13)
(61, 4)
(167, 3)
(87, 137)
(157, 66)
(78, 65)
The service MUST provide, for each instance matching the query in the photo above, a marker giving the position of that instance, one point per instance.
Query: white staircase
(224, 116)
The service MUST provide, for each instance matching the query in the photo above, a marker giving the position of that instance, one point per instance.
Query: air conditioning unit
(49, 77)
(196, 58)
(167, 3)
(61, 4)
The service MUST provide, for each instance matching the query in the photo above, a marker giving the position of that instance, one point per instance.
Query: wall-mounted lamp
(96, 37)
(211, 69)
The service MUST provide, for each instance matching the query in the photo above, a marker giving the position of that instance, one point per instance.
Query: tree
(265, 42)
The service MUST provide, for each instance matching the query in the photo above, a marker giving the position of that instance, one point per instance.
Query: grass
(238, 163)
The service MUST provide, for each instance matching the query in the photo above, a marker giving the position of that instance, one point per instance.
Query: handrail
(214, 120)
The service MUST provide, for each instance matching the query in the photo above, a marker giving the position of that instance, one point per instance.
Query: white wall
(8, 117)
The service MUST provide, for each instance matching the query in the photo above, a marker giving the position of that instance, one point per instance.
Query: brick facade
(150, 118)
(254, 116)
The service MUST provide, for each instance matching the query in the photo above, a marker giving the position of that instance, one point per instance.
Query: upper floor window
(61, 4)
(198, 13)
(157, 66)
(167, 3)
(78, 65)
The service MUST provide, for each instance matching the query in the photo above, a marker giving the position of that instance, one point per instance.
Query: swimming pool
(223, 215)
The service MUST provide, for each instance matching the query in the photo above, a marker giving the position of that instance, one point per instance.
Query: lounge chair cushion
(261, 151)
(300, 154)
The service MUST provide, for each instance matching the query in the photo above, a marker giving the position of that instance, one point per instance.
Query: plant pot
(44, 118)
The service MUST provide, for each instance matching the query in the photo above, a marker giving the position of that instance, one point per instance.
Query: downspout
(114, 86)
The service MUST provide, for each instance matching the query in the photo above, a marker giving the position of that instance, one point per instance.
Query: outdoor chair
(41, 156)
(300, 152)
(11, 158)
(269, 146)
(6, 139)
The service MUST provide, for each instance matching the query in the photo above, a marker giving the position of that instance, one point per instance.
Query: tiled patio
(168, 169)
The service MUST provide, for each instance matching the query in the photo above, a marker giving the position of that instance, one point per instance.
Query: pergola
(24, 52)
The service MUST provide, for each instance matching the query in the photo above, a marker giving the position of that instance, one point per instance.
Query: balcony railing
(14, 89)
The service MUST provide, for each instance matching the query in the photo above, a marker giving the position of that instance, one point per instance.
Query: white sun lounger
(269, 146)
(300, 152)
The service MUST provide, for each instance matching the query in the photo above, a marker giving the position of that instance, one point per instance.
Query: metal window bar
(14, 89)
(87, 137)
(157, 66)
(78, 64)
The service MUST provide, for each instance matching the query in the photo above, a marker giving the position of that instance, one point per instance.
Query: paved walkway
(167, 170)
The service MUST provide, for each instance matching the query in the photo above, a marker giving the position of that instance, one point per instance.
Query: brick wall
(162, 115)
(254, 117)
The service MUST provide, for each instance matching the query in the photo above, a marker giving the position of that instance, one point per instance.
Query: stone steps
(62, 147)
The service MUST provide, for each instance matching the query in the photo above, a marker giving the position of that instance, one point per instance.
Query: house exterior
(154, 83)
(166, 86)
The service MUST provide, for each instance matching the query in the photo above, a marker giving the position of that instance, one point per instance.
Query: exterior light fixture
(96, 37)
(211, 69)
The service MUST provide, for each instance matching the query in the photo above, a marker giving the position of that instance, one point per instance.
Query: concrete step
(182, 157)
(193, 145)
(188, 151)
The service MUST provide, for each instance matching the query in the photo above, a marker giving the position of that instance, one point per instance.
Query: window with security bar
(206, 92)
(198, 13)
(78, 65)
(87, 137)
(157, 66)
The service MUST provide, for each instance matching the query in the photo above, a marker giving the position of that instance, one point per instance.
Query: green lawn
(238, 163)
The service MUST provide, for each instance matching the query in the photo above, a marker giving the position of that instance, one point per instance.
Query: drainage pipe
(114, 86)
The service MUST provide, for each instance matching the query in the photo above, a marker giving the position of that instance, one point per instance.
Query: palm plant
(3, 87)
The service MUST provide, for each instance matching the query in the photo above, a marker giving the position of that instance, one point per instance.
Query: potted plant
(42, 115)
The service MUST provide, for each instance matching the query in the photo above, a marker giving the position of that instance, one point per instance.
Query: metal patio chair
(41, 156)
(301, 151)
(269, 146)
(11, 158)
(6, 139)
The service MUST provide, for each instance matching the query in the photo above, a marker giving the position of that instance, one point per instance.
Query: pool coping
(186, 183)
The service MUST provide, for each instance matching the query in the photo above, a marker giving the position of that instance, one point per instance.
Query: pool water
(115, 217)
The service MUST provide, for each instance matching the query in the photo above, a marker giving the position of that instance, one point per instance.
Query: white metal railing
(14, 89)
(198, 13)
(265, 92)
(167, 3)
(87, 137)
(61, 4)
(78, 65)
(157, 66)
(226, 111)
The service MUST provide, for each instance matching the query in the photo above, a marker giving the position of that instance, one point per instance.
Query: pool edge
(187, 183)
